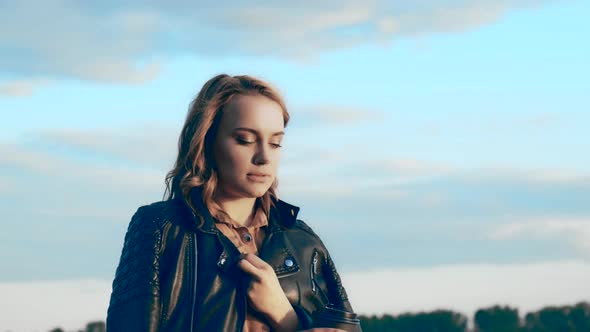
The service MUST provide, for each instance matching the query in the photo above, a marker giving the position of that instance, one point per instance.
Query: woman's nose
(261, 156)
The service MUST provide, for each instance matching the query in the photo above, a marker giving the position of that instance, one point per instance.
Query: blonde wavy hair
(195, 165)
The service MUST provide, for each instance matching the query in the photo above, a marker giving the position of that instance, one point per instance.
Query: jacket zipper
(313, 271)
(315, 287)
(195, 251)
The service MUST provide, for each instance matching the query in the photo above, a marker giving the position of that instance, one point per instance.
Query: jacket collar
(282, 214)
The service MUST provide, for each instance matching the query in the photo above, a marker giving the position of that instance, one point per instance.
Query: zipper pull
(315, 262)
(313, 270)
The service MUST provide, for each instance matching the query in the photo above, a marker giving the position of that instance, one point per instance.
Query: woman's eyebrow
(255, 132)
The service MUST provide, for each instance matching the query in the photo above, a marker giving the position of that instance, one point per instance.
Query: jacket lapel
(276, 248)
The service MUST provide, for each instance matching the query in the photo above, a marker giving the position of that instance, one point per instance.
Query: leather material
(156, 288)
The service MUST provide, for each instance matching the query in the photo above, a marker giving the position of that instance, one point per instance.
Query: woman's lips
(258, 177)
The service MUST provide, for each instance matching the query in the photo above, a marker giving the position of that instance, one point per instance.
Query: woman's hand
(266, 295)
(323, 329)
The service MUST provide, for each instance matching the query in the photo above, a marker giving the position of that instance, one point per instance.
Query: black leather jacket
(176, 276)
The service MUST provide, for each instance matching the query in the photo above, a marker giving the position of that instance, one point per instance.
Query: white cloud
(411, 167)
(464, 288)
(335, 174)
(43, 305)
(111, 42)
(337, 115)
(136, 158)
(74, 187)
(7, 184)
(56, 167)
(21, 88)
(145, 144)
(558, 176)
(118, 71)
(19, 157)
(571, 230)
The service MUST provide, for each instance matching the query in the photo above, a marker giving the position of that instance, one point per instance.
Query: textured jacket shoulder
(300, 224)
(139, 267)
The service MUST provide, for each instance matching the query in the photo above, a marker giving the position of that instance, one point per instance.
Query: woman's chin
(257, 190)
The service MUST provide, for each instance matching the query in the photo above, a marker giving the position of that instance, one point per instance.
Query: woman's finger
(322, 329)
(249, 268)
(255, 260)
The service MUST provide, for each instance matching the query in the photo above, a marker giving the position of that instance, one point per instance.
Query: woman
(222, 252)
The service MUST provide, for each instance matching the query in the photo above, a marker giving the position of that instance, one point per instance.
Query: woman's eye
(243, 141)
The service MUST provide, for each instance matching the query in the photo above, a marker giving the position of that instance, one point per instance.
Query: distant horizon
(438, 149)
(484, 286)
(470, 320)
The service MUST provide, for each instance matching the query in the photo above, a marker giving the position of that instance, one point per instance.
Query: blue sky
(424, 135)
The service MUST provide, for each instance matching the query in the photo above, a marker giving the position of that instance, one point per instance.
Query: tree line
(572, 318)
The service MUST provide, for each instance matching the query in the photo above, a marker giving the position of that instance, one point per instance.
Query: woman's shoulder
(301, 225)
(290, 221)
(302, 233)
(159, 208)
(159, 213)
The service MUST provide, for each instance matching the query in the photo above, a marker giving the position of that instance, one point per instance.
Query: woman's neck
(240, 210)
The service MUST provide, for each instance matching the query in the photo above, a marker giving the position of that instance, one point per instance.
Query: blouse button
(288, 262)
(247, 237)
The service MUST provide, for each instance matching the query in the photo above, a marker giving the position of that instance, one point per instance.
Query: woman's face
(247, 146)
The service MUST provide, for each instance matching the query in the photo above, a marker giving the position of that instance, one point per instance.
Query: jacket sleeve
(135, 303)
(338, 306)
(338, 311)
(336, 292)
